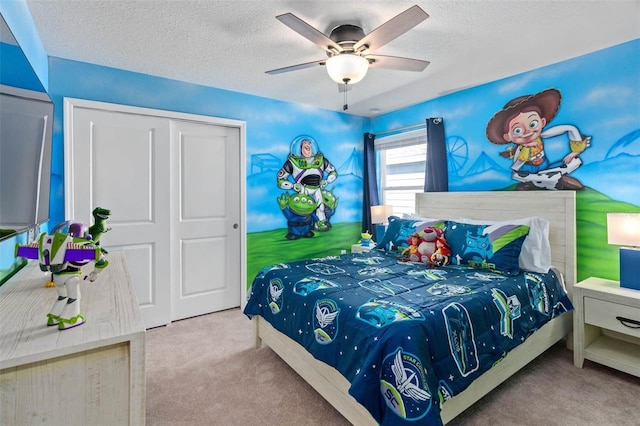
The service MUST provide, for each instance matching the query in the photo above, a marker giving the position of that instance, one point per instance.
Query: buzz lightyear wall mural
(308, 203)
(524, 124)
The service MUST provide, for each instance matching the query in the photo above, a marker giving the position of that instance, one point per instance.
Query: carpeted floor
(204, 371)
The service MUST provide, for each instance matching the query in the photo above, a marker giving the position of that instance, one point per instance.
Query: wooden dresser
(93, 374)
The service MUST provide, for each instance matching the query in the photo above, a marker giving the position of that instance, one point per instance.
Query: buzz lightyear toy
(64, 252)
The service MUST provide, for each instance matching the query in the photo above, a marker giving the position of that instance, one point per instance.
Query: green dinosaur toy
(99, 226)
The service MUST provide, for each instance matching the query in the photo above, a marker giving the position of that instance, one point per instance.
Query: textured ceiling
(230, 44)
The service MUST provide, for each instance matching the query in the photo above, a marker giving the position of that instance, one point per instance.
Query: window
(401, 168)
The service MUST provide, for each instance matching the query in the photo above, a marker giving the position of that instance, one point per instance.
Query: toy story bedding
(407, 336)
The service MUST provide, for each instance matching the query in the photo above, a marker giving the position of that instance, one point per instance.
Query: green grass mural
(596, 257)
(269, 247)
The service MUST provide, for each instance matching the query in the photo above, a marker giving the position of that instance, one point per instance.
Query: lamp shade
(347, 66)
(380, 214)
(623, 229)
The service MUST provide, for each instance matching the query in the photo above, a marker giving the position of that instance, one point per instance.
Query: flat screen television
(26, 126)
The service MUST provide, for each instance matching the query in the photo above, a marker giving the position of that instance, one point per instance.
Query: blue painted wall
(600, 96)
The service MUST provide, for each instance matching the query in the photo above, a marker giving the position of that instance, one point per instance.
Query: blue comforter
(407, 337)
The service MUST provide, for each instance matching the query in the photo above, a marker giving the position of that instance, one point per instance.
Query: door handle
(235, 226)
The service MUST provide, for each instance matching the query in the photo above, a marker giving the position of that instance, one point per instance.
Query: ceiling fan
(350, 51)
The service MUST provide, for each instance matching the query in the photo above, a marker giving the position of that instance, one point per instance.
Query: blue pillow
(400, 229)
(495, 247)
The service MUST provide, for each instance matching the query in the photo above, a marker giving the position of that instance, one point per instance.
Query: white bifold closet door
(173, 184)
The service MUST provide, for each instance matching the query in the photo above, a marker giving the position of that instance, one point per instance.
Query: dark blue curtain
(370, 197)
(436, 174)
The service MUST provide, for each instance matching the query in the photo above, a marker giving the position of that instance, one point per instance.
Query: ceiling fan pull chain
(345, 106)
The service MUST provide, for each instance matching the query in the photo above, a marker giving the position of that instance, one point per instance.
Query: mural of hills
(596, 257)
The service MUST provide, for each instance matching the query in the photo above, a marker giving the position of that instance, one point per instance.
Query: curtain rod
(403, 129)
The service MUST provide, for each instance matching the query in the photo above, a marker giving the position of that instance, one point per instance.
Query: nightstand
(606, 325)
(359, 248)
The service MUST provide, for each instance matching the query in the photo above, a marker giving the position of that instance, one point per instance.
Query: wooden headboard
(558, 207)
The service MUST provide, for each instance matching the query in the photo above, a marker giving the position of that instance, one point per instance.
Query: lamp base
(630, 268)
(380, 230)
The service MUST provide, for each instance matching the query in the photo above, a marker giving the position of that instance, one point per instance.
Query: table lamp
(380, 218)
(623, 229)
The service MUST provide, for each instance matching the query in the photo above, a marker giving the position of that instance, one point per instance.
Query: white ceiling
(230, 44)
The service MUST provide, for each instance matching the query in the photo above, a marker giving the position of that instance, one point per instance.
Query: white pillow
(535, 255)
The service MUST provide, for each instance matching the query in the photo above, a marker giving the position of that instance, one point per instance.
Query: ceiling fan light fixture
(347, 68)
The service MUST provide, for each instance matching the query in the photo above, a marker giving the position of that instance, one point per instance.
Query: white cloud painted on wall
(618, 95)
(513, 85)
(275, 148)
(267, 221)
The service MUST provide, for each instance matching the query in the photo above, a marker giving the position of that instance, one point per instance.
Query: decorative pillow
(494, 247)
(399, 230)
(535, 255)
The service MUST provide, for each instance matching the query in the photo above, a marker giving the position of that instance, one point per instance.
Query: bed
(409, 385)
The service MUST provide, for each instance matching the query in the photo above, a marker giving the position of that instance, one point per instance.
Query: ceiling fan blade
(396, 63)
(393, 28)
(309, 32)
(297, 67)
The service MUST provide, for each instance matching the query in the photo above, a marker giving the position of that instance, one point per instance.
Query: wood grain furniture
(89, 375)
(556, 206)
(606, 325)
(359, 248)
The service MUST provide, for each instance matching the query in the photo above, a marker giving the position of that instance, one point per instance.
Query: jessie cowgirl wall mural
(523, 121)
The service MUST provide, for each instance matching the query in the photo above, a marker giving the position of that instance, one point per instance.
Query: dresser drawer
(604, 314)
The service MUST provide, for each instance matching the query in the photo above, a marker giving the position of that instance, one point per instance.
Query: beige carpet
(204, 371)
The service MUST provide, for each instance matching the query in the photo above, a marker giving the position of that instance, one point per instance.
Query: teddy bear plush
(427, 245)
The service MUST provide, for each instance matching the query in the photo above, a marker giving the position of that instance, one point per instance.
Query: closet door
(174, 183)
(205, 218)
(120, 161)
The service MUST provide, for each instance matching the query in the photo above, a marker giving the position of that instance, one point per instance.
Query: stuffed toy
(413, 241)
(366, 238)
(441, 256)
(427, 246)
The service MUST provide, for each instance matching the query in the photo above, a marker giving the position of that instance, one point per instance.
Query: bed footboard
(327, 381)
(519, 357)
(333, 387)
